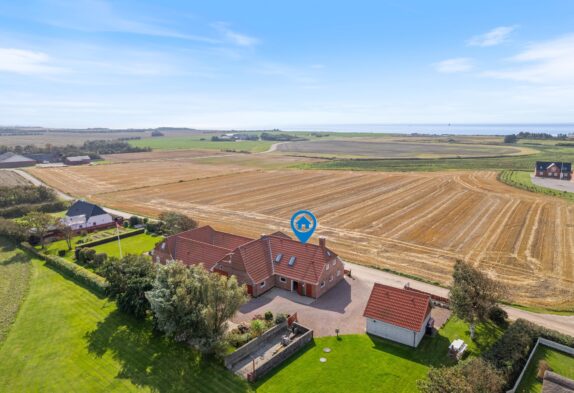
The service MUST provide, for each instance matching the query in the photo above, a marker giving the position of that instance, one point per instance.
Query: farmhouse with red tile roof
(398, 314)
(273, 260)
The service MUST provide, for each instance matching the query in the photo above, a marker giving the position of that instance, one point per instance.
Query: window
(322, 284)
(282, 279)
(278, 257)
(292, 261)
(331, 278)
(327, 266)
(262, 285)
(163, 246)
(334, 261)
(338, 273)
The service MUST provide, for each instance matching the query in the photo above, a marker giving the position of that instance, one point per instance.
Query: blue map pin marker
(303, 224)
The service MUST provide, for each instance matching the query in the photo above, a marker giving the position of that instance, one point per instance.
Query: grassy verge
(14, 280)
(559, 363)
(363, 363)
(522, 180)
(194, 142)
(67, 339)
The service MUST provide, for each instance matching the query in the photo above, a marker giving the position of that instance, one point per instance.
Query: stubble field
(416, 223)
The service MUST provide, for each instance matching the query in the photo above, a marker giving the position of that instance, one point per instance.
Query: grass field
(559, 362)
(194, 142)
(519, 163)
(66, 339)
(130, 245)
(362, 363)
(14, 279)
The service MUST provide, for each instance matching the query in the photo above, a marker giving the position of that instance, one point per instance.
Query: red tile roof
(192, 252)
(398, 307)
(256, 259)
(207, 234)
(310, 259)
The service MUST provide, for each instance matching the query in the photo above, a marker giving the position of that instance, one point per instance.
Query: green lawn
(194, 142)
(52, 248)
(362, 363)
(130, 245)
(14, 280)
(559, 362)
(66, 339)
(523, 180)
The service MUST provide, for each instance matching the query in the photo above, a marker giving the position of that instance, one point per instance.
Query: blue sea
(455, 129)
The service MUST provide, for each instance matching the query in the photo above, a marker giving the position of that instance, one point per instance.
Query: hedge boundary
(93, 281)
(110, 238)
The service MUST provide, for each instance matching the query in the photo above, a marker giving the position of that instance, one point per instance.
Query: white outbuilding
(398, 314)
(85, 215)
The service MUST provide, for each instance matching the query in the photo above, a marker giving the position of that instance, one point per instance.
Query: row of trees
(91, 148)
(187, 304)
(19, 195)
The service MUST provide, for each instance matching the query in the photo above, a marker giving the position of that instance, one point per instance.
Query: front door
(295, 286)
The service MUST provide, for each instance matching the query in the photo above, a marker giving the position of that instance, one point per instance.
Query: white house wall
(99, 220)
(396, 333)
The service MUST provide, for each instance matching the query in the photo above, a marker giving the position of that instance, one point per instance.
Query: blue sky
(251, 64)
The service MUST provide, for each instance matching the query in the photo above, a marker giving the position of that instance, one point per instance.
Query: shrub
(99, 259)
(61, 253)
(134, 220)
(268, 316)
(280, 318)
(238, 339)
(498, 316)
(145, 220)
(86, 255)
(126, 224)
(257, 327)
(543, 366)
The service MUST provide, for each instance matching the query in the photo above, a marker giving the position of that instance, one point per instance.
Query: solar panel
(292, 261)
(278, 258)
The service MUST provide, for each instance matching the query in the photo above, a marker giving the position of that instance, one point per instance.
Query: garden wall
(290, 350)
(545, 342)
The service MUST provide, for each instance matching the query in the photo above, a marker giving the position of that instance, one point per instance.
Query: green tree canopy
(176, 222)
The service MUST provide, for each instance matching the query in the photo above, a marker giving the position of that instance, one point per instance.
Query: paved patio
(340, 308)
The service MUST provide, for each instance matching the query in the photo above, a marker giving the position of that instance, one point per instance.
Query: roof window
(278, 257)
(292, 260)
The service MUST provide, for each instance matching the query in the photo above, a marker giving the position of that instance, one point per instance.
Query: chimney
(322, 241)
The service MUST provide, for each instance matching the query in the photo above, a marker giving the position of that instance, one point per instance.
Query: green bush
(268, 316)
(99, 259)
(61, 253)
(498, 316)
(280, 318)
(134, 220)
(238, 339)
(91, 280)
(126, 224)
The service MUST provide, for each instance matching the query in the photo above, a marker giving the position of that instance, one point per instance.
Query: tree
(473, 294)
(39, 224)
(472, 376)
(176, 222)
(129, 279)
(510, 138)
(12, 229)
(66, 231)
(193, 305)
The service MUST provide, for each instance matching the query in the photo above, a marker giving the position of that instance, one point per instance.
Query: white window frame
(338, 273)
(323, 284)
(262, 285)
(282, 279)
(331, 278)
(327, 266)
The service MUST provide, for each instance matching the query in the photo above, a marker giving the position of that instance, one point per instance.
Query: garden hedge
(110, 238)
(91, 280)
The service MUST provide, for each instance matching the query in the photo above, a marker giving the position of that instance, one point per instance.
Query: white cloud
(544, 62)
(494, 37)
(26, 62)
(233, 36)
(449, 66)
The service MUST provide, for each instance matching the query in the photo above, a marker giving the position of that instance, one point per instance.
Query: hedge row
(110, 238)
(91, 280)
(22, 210)
(510, 353)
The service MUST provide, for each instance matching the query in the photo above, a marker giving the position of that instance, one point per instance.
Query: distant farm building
(85, 215)
(398, 314)
(271, 261)
(13, 160)
(77, 160)
(555, 170)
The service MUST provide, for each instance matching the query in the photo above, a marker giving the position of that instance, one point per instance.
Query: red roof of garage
(398, 307)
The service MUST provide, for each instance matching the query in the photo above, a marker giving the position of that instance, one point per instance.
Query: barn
(397, 314)
(77, 160)
(13, 160)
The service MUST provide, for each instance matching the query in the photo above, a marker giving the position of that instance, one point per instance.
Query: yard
(363, 363)
(559, 362)
(52, 248)
(130, 245)
(65, 338)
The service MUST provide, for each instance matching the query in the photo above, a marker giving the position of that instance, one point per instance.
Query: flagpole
(119, 242)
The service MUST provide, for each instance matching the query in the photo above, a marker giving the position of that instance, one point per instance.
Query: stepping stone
(322, 360)
(327, 350)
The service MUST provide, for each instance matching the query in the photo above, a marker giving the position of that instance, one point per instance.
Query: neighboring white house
(83, 215)
(397, 314)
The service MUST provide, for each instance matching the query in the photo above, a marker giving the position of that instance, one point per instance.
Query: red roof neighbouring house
(398, 307)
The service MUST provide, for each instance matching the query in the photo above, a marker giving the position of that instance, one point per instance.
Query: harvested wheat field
(11, 179)
(417, 223)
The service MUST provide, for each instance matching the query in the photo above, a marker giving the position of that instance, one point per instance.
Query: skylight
(278, 257)
(292, 261)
